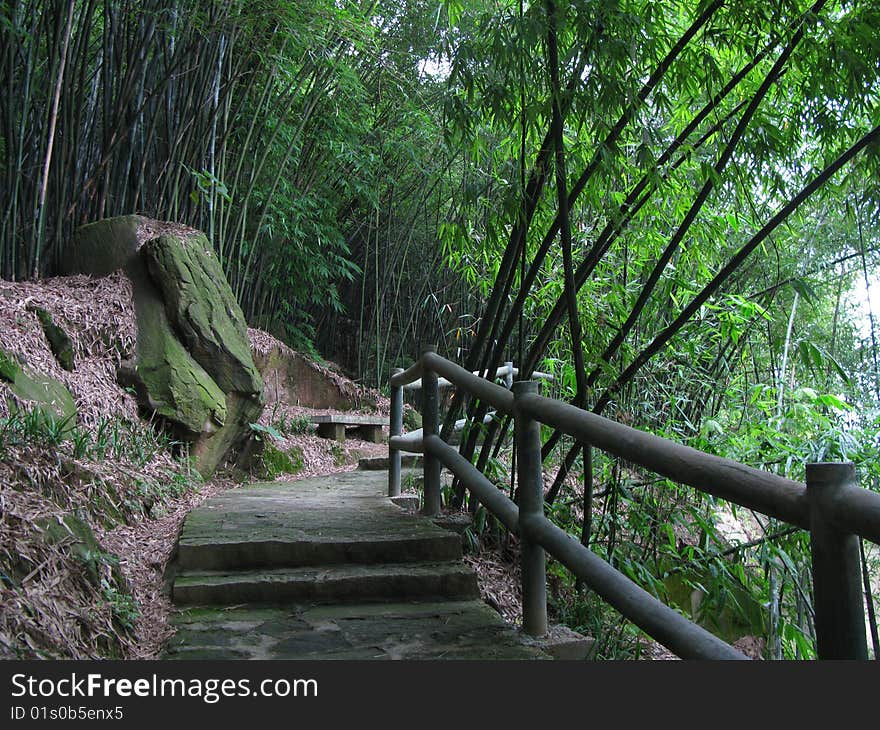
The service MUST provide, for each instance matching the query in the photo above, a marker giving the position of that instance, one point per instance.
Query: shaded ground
(145, 547)
(356, 577)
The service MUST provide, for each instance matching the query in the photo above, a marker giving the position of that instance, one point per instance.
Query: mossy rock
(74, 531)
(192, 364)
(169, 382)
(296, 457)
(48, 397)
(9, 368)
(211, 450)
(166, 378)
(102, 247)
(59, 341)
(338, 452)
(104, 502)
(202, 309)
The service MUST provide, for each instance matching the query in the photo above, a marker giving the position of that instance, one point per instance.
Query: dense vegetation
(672, 206)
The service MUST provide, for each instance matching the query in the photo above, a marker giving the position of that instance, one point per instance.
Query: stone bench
(333, 426)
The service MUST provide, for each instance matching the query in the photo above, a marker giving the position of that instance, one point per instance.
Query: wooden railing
(831, 505)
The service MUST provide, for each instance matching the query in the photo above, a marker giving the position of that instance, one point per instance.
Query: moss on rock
(74, 532)
(202, 308)
(296, 458)
(337, 451)
(9, 368)
(412, 419)
(50, 398)
(59, 341)
(212, 449)
(274, 462)
(168, 380)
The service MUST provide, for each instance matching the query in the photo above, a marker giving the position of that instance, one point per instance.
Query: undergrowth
(63, 594)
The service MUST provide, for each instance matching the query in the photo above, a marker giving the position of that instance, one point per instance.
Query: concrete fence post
(531, 510)
(430, 422)
(396, 427)
(837, 589)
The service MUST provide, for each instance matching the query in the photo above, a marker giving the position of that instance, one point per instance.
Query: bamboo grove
(655, 214)
(284, 130)
(670, 205)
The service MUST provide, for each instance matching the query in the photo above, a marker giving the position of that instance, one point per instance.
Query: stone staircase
(324, 568)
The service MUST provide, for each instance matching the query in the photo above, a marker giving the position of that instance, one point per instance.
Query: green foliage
(291, 425)
(39, 425)
(712, 257)
(123, 606)
(412, 419)
(292, 128)
(259, 428)
(338, 452)
(274, 462)
(133, 444)
(355, 196)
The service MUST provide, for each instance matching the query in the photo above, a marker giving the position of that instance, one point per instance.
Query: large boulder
(192, 364)
(167, 379)
(102, 247)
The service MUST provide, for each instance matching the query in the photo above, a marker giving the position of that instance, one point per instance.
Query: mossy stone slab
(328, 568)
(73, 531)
(381, 631)
(59, 341)
(167, 378)
(338, 518)
(202, 308)
(49, 397)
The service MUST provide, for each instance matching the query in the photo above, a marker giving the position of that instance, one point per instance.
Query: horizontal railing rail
(506, 371)
(830, 505)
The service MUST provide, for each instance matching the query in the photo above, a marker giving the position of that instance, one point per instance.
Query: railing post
(531, 508)
(837, 591)
(395, 430)
(430, 420)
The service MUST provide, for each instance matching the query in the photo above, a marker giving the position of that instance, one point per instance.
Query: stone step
(313, 551)
(336, 584)
(339, 518)
(405, 630)
(328, 568)
(380, 463)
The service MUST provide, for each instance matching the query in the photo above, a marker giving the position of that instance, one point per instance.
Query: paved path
(328, 568)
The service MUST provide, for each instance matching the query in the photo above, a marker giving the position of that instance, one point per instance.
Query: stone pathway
(328, 568)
